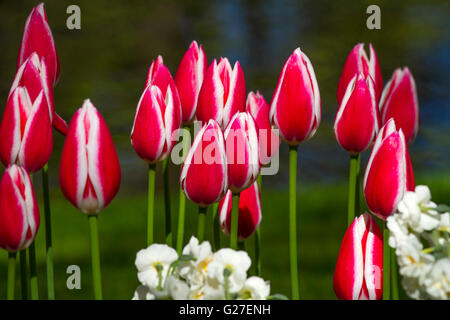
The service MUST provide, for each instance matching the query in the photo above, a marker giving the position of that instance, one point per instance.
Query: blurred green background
(107, 61)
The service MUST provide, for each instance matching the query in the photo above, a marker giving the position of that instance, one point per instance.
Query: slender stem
(150, 202)
(95, 256)
(48, 236)
(258, 252)
(353, 189)
(182, 199)
(386, 264)
(394, 275)
(169, 239)
(234, 221)
(201, 223)
(24, 274)
(11, 275)
(33, 272)
(293, 220)
(216, 226)
(241, 245)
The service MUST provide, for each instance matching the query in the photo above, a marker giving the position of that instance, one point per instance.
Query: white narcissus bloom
(143, 293)
(413, 262)
(152, 265)
(438, 281)
(413, 289)
(177, 288)
(255, 288)
(398, 230)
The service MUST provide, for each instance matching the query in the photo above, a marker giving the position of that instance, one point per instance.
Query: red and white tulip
(204, 176)
(89, 174)
(295, 108)
(189, 79)
(242, 148)
(389, 172)
(357, 120)
(250, 213)
(19, 211)
(222, 94)
(358, 62)
(399, 101)
(359, 267)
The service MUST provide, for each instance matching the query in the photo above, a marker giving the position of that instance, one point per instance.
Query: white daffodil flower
(255, 288)
(177, 288)
(143, 293)
(398, 230)
(438, 281)
(413, 262)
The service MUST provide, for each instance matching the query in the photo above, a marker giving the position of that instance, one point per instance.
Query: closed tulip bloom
(399, 101)
(26, 131)
(189, 79)
(295, 108)
(19, 211)
(359, 267)
(37, 37)
(389, 172)
(357, 62)
(204, 176)
(89, 174)
(242, 147)
(250, 213)
(356, 124)
(269, 141)
(223, 92)
(153, 130)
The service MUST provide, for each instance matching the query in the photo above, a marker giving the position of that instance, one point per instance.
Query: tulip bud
(269, 141)
(359, 267)
(399, 101)
(26, 131)
(158, 75)
(154, 127)
(204, 176)
(37, 37)
(356, 124)
(242, 147)
(19, 211)
(89, 174)
(223, 92)
(250, 213)
(189, 79)
(388, 173)
(358, 62)
(295, 108)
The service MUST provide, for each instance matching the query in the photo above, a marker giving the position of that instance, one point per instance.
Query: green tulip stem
(293, 150)
(150, 202)
(201, 223)
(95, 257)
(48, 236)
(11, 275)
(353, 189)
(234, 221)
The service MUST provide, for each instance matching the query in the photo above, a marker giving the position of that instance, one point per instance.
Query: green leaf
(442, 208)
(277, 296)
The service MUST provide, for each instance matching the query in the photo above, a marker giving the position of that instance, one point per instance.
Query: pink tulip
(19, 211)
(269, 141)
(356, 124)
(37, 37)
(359, 267)
(204, 176)
(389, 172)
(242, 148)
(222, 94)
(26, 131)
(399, 101)
(158, 75)
(250, 213)
(154, 128)
(89, 174)
(358, 62)
(189, 79)
(295, 108)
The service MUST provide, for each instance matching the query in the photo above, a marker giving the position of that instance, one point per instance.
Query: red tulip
(89, 174)
(295, 107)
(359, 267)
(399, 101)
(158, 75)
(356, 124)
(242, 147)
(189, 79)
(358, 62)
(250, 213)
(37, 37)
(19, 211)
(204, 176)
(388, 173)
(269, 141)
(26, 131)
(222, 94)
(154, 128)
